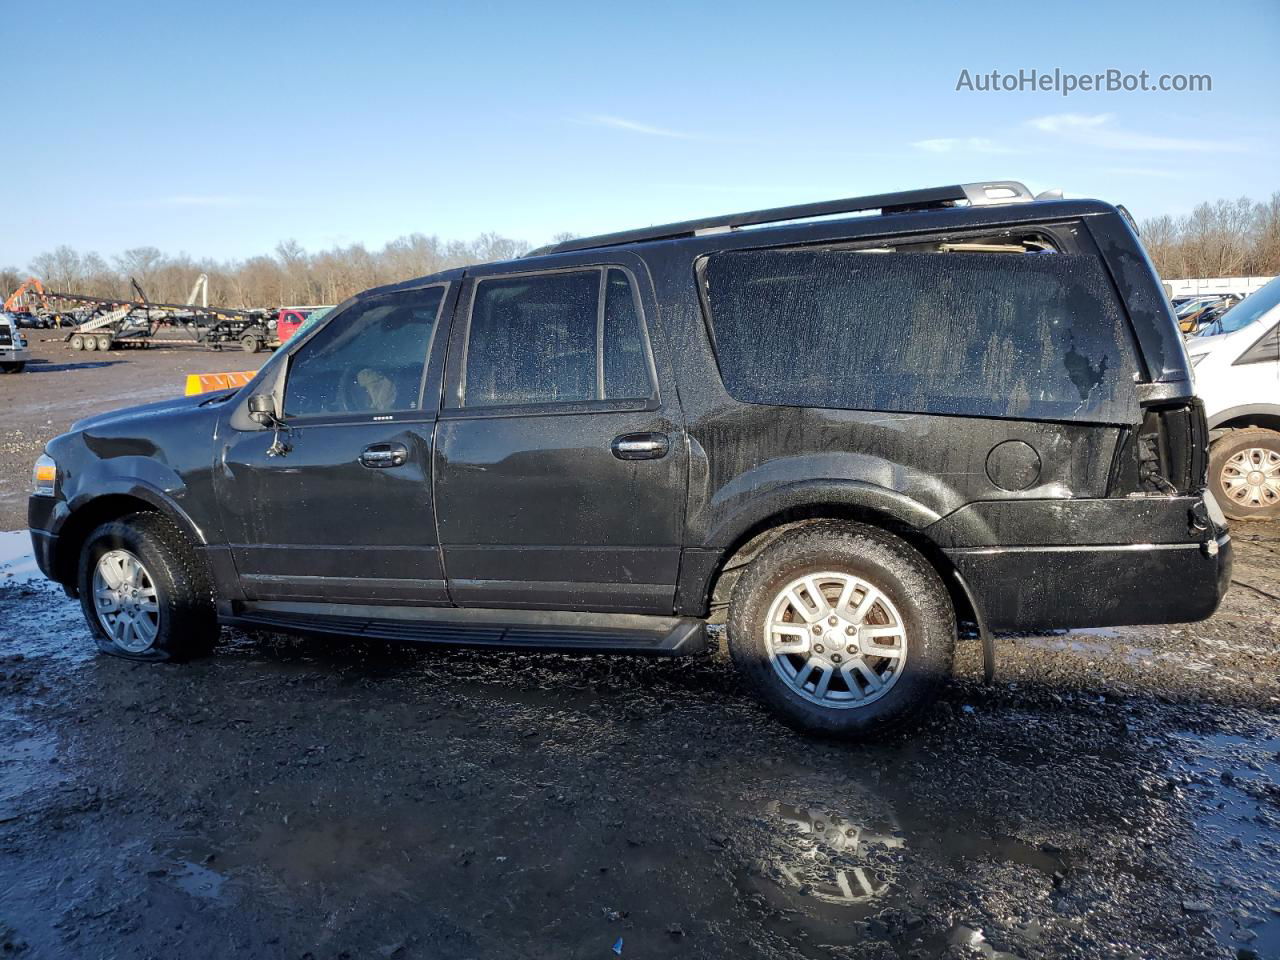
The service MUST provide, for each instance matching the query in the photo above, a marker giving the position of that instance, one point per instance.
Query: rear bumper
(1040, 588)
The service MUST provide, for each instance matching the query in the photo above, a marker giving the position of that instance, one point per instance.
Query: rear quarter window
(1030, 336)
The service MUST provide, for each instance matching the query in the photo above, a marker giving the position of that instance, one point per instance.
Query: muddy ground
(1113, 794)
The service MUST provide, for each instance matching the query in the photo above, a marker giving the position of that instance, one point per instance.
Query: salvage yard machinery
(102, 323)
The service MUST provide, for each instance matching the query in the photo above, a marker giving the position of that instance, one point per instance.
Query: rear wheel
(77, 342)
(250, 344)
(1244, 474)
(16, 367)
(145, 591)
(91, 343)
(842, 629)
(104, 342)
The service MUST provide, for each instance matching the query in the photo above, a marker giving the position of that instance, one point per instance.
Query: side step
(553, 631)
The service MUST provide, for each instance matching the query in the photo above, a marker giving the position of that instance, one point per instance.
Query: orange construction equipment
(208, 382)
(17, 301)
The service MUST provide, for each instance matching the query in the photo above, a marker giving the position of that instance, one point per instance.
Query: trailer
(103, 323)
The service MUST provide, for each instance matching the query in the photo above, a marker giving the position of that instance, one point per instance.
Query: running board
(552, 631)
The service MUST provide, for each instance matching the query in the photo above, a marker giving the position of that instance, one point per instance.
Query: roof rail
(974, 194)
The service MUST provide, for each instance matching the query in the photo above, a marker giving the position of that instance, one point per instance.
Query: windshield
(1245, 312)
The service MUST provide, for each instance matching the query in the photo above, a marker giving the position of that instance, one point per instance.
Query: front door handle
(384, 455)
(640, 446)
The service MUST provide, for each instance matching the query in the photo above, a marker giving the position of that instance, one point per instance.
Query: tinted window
(1037, 336)
(370, 359)
(544, 339)
(626, 367)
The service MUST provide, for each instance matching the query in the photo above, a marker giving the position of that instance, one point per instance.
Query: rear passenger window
(1035, 336)
(369, 359)
(626, 365)
(561, 337)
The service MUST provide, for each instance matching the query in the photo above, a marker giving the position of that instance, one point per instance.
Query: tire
(16, 367)
(250, 344)
(174, 582)
(91, 343)
(1236, 459)
(77, 342)
(910, 599)
(104, 343)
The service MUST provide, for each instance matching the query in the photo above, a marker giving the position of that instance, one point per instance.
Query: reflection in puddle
(817, 838)
(973, 942)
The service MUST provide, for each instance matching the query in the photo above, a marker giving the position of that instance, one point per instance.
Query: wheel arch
(1264, 415)
(732, 556)
(90, 514)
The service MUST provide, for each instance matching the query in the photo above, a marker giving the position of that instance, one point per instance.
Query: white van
(1237, 370)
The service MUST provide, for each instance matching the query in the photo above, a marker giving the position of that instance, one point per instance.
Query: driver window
(370, 359)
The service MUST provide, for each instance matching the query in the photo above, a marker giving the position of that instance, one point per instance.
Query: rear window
(1036, 335)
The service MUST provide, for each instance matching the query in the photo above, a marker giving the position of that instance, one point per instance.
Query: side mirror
(262, 409)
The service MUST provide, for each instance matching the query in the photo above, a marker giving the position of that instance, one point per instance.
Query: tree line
(288, 276)
(1223, 239)
(1230, 238)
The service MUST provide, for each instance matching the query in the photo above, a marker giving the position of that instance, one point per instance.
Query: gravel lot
(1112, 794)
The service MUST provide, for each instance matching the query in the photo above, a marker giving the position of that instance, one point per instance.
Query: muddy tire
(250, 344)
(104, 343)
(146, 591)
(842, 630)
(1244, 474)
(91, 343)
(77, 342)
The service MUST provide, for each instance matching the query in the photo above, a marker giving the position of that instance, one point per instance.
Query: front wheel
(842, 629)
(145, 591)
(250, 344)
(1244, 474)
(15, 367)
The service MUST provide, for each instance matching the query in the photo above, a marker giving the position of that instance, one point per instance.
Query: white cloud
(960, 145)
(1100, 130)
(631, 126)
(204, 200)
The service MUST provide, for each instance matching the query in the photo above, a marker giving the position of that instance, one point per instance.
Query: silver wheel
(124, 598)
(1251, 477)
(835, 640)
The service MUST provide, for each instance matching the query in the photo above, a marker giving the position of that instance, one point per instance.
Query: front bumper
(12, 355)
(44, 543)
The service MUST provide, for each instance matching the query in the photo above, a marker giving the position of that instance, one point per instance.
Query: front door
(338, 506)
(561, 460)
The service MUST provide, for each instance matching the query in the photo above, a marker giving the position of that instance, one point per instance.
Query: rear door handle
(640, 446)
(384, 455)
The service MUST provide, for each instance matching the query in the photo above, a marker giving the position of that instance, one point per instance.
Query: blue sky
(222, 129)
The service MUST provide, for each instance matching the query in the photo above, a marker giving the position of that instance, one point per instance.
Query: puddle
(830, 854)
(17, 563)
(26, 766)
(828, 875)
(1233, 785)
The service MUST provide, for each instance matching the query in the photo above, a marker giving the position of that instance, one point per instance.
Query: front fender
(141, 478)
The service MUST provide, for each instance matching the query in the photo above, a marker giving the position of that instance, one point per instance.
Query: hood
(149, 411)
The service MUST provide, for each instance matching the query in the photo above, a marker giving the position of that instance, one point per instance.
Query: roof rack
(975, 194)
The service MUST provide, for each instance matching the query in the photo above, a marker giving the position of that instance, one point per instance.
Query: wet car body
(527, 526)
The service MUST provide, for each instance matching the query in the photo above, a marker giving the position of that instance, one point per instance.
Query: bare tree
(1223, 239)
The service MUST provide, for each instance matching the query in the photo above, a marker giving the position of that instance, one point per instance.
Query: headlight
(45, 475)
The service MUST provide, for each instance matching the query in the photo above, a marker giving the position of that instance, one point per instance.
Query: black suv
(841, 436)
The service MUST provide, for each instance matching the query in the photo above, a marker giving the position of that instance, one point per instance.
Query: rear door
(561, 461)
